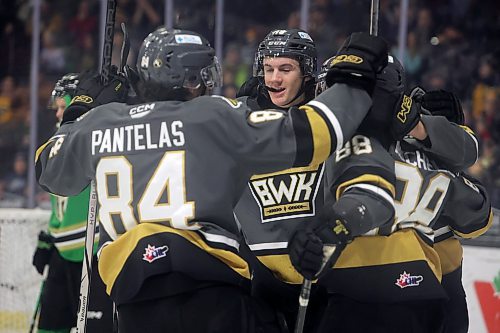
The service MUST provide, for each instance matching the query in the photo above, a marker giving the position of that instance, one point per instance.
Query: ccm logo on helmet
(141, 110)
(82, 99)
(347, 58)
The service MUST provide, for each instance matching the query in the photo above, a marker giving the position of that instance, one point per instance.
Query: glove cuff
(73, 112)
(335, 76)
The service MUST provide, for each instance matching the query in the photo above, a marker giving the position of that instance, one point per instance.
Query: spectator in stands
(16, 181)
(9, 200)
(145, 16)
(234, 65)
(487, 81)
(229, 90)
(83, 23)
(413, 60)
(52, 57)
(424, 30)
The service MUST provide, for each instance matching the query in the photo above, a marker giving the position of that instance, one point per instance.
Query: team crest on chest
(287, 194)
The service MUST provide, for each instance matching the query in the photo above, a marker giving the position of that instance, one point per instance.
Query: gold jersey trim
(287, 171)
(114, 256)
(282, 268)
(399, 247)
(478, 232)
(42, 147)
(450, 252)
(321, 135)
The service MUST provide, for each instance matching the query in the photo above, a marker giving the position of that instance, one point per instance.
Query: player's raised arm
(436, 119)
(469, 211)
(59, 161)
(323, 125)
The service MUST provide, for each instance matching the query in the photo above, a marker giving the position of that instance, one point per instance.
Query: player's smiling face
(283, 75)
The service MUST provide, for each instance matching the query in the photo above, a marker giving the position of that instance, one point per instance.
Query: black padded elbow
(363, 211)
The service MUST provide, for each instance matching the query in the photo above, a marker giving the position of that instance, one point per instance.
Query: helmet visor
(212, 75)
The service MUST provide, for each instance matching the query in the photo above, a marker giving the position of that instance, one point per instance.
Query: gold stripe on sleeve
(321, 135)
(478, 232)
(41, 148)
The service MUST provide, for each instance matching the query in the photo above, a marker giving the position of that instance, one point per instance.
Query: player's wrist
(419, 132)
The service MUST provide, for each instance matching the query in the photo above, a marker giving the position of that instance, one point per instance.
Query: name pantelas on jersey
(137, 137)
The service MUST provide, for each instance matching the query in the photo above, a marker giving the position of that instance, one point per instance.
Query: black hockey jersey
(272, 206)
(168, 175)
(398, 262)
(468, 214)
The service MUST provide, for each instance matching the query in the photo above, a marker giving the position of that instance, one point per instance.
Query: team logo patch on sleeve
(288, 194)
(408, 280)
(152, 253)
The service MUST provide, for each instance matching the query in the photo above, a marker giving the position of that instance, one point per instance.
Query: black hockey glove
(43, 251)
(444, 103)
(91, 93)
(318, 245)
(358, 60)
(249, 87)
(406, 114)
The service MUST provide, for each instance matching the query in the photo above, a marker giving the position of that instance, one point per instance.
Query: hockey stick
(125, 49)
(37, 309)
(305, 290)
(374, 18)
(36, 313)
(107, 51)
(87, 261)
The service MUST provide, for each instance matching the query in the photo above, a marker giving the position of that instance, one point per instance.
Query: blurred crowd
(451, 44)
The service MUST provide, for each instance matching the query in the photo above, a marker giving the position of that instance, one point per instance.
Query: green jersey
(68, 223)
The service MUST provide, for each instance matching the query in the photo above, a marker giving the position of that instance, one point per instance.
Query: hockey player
(169, 171)
(272, 205)
(388, 279)
(62, 248)
(468, 215)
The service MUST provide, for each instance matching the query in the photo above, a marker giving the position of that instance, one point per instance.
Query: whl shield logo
(152, 253)
(408, 280)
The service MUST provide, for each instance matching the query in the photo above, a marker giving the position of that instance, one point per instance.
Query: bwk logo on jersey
(153, 253)
(287, 194)
(408, 280)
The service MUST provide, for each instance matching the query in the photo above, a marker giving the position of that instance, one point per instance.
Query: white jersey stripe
(333, 120)
(268, 246)
(477, 145)
(442, 231)
(220, 239)
(375, 189)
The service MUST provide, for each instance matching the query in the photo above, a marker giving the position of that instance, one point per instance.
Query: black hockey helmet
(65, 86)
(171, 61)
(292, 43)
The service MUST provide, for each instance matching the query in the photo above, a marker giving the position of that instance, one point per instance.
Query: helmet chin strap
(270, 89)
(297, 95)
